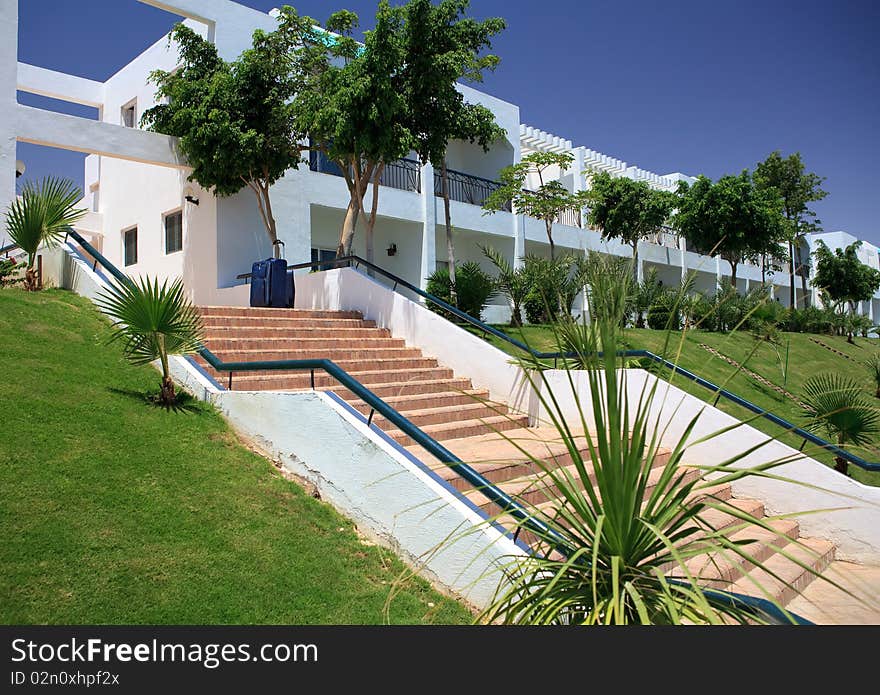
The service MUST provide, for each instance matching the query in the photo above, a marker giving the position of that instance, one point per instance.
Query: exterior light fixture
(19, 168)
(191, 199)
(392, 249)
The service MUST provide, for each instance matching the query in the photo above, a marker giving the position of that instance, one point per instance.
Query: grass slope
(805, 359)
(115, 511)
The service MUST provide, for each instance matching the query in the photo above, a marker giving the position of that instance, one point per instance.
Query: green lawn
(805, 358)
(115, 511)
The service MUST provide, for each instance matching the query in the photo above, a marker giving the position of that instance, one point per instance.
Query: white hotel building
(142, 220)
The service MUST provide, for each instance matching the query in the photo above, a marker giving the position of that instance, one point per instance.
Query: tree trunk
(516, 322)
(763, 269)
(549, 225)
(635, 248)
(733, 266)
(370, 220)
(349, 224)
(804, 288)
(273, 230)
(450, 244)
(167, 396)
(30, 279)
(841, 465)
(791, 292)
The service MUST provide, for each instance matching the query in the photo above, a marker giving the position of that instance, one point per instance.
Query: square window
(130, 246)
(129, 114)
(174, 232)
(323, 255)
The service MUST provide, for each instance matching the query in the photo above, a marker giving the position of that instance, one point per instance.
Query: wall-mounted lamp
(392, 249)
(191, 199)
(19, 168)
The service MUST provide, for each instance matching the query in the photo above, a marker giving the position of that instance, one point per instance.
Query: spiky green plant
(153, 322)
(873, 365)
(629, 538)
(40, 216)
(836, 405)
(512, 282)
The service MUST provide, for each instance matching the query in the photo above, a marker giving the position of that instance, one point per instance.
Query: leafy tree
(443, 47)
(354, 107)
(844, 278)
(153, 323)
(236, 121)
(475, 288)
(837, 405)
(629, 210)
(40, 216)
(731, 218)
(548, 202)
(797, 188)
(873, 365)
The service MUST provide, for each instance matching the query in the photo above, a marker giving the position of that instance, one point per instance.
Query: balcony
(404, 174)
(466, 188)
(666, 239)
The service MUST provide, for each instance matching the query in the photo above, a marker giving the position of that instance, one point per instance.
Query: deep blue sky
(683, 85)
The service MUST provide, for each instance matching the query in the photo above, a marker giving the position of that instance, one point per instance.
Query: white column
(8, 81)
(682, 258)
(429, 226)
(519, 240)
(719, 278)
(640, 266)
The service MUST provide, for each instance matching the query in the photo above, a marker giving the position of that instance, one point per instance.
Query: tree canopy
(843, 276)
(629, 210)
(731, 218)
(546, 203)
(797, 188)
(236, 121)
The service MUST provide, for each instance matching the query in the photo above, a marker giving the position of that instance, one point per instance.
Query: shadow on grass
(184, 403)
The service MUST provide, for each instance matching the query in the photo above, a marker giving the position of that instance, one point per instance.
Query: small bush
(664, 312)
(474, 288)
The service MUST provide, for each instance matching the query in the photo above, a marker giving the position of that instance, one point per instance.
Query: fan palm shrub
(153, 322)
(512, 282)
(627, 538)
(836, 405)
(40, 216)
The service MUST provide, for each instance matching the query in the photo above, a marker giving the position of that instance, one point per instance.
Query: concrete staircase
(486, 435)
(442, 404)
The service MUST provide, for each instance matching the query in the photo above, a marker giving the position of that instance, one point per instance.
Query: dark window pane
(130, 239)
(174, 232)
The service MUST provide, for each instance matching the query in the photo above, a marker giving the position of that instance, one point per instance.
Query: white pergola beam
(58, 85)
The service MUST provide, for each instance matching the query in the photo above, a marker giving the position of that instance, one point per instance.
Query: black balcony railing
(404, 174)
(466, 188)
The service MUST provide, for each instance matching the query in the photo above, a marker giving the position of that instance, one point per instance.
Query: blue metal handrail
(561, 544)
(645, 354)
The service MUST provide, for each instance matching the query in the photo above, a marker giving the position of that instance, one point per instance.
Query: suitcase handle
(278, 241)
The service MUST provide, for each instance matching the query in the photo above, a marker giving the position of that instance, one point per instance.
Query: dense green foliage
(788, 179)
(625, 209)
(845, 279)
(115, 511)
(731, 218)
(236, 121)
(474, 287)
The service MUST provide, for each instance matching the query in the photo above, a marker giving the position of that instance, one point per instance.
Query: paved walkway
(825, 604)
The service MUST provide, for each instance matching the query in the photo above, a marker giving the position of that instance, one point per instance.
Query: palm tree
(837, 405)
(873, 364)
(513, 283)
(41, 216)
(154, 322)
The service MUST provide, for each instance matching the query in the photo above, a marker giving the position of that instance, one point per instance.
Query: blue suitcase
(270, 284)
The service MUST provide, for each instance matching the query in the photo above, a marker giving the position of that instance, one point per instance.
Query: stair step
(295, 342)
(257, 332)
(351, 365)
(791, 578)
(718, 570)
(271, 312)
(435, 416)
(432, 399)
(404, 388)
(466, 428)
(212, 322)
(338, 354)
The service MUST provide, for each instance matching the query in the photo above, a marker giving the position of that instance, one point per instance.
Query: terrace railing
(466, 188)
(404, 174)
